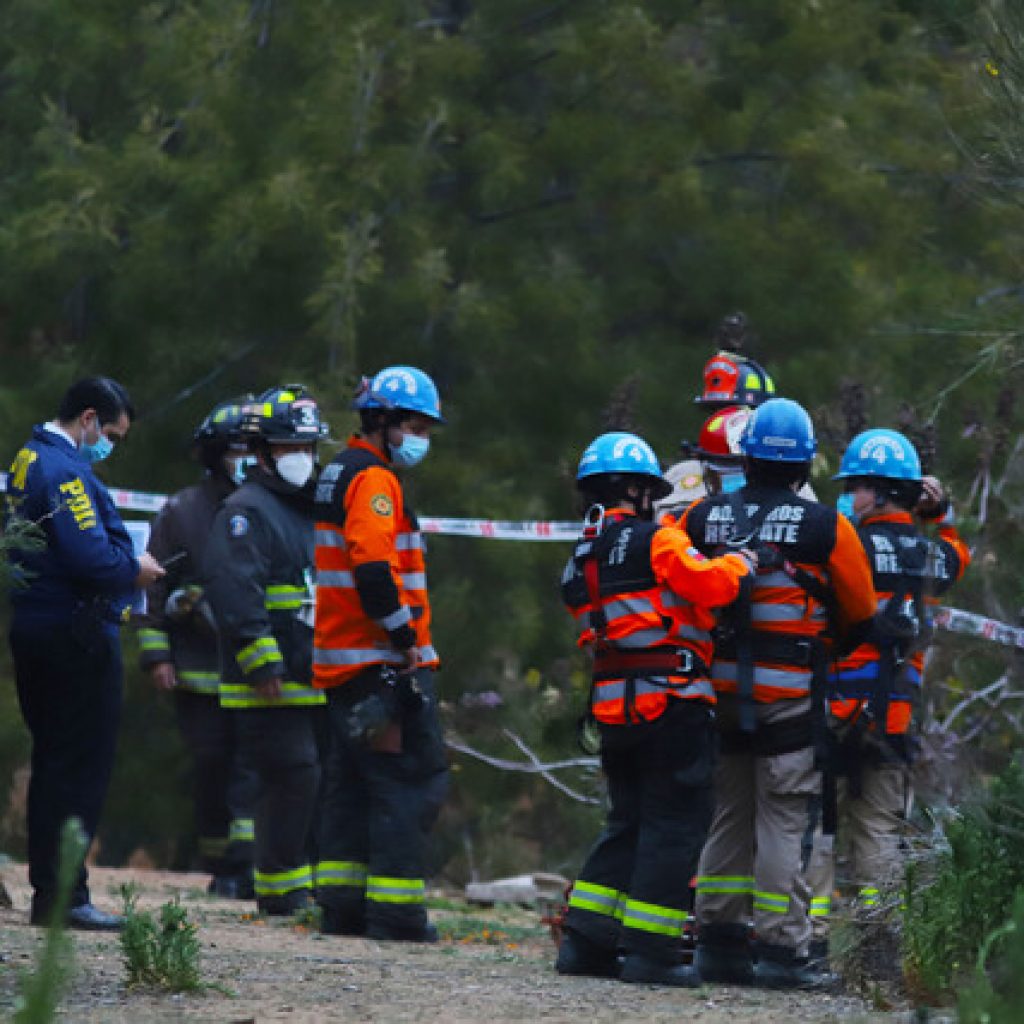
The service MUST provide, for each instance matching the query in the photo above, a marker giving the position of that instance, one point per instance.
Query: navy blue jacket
(88, 559)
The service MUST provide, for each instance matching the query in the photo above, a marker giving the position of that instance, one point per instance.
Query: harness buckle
(593, 521)
(687, 662)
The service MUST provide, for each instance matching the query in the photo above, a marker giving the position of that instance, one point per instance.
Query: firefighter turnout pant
(282, 748)
(633, 890)
(223, 792)
(871, 829)
(379, 807)
(753, 858)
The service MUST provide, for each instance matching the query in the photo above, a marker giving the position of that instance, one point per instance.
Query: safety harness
(611, 662)
(747, 645)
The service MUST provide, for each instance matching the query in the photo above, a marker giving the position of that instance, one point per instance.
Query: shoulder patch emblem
(238, 526)
(382, 505)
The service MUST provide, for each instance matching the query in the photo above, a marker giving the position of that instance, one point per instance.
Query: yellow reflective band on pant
(243, 830)
(649, 917)
(395, 890)
(239, 695)
(726, 885)
(154, 641)
(284, 597)
(771, 902)
(340, 872)
(282, 882)
(263, 651)
(820, 906)
(199, 682)
(598, 899)
(869, 896)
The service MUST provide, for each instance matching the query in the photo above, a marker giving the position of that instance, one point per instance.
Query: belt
(772, 647)
(678, 662)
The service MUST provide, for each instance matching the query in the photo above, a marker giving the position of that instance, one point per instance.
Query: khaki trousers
(870, 830)
(752, 860)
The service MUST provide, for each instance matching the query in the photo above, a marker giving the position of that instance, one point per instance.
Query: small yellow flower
(991, 69)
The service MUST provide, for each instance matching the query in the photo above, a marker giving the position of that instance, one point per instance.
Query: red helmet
(720, 435)
(721, 380)
(730, 380)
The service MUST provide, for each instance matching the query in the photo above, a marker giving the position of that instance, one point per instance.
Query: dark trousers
(633, 890)
(70, 699)
(281, 747)
(378, 811)
(223, 791)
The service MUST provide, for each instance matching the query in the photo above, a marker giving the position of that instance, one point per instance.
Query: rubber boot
(724, 954)
(638, 969)
(818, 954)
(578, 955)
(343, 920)
(779, 967)
(401, 933)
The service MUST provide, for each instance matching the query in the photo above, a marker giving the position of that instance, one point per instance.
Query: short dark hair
(103, 394)
(762, 473)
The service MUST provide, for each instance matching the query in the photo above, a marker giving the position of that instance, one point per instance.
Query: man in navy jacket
(73, 593)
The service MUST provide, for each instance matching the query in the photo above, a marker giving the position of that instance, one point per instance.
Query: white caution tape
(954, 620)
(957, 621)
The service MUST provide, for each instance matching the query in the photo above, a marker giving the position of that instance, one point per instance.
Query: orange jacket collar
(888, 517)
(358, 441)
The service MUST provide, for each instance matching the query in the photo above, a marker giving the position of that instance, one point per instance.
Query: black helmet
(222, 426)
(288, 413)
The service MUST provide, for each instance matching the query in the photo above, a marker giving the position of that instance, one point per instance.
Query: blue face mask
(98, 450)
(844, 506)
(411, 451)
(732, 482)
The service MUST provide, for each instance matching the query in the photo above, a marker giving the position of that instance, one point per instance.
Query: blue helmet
(886, 454)
(401, 387)
(780, 431)
(622, 454)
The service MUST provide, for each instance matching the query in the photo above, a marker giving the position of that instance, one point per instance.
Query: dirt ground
(492, 965)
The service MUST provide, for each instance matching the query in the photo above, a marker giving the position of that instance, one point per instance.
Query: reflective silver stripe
(642, 639)
(774, 579)
(413, 580)
(335, 578)
(409, 542)
(365, 655)
(776, 612)
(645, 638)
(623, 606)
(617, 690)
(330, 539)
(798, 680)
(395, 619)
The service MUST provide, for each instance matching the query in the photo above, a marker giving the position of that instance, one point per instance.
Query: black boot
(724, 954)
(642, 970)
(780, 967)
(818, 954)
(350, 920)
(402, 933)
(579, 955)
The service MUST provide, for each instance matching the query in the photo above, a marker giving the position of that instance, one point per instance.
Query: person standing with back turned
(64, 637)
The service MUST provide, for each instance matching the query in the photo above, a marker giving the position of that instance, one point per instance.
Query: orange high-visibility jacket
(656, 596)
(785, 619)
(371, 581)
(851, 684)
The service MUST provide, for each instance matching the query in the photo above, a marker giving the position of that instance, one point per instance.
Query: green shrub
(997, 994)
(955, 901)
(164, 953)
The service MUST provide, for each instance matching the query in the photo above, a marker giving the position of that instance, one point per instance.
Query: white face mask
(295, 468)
